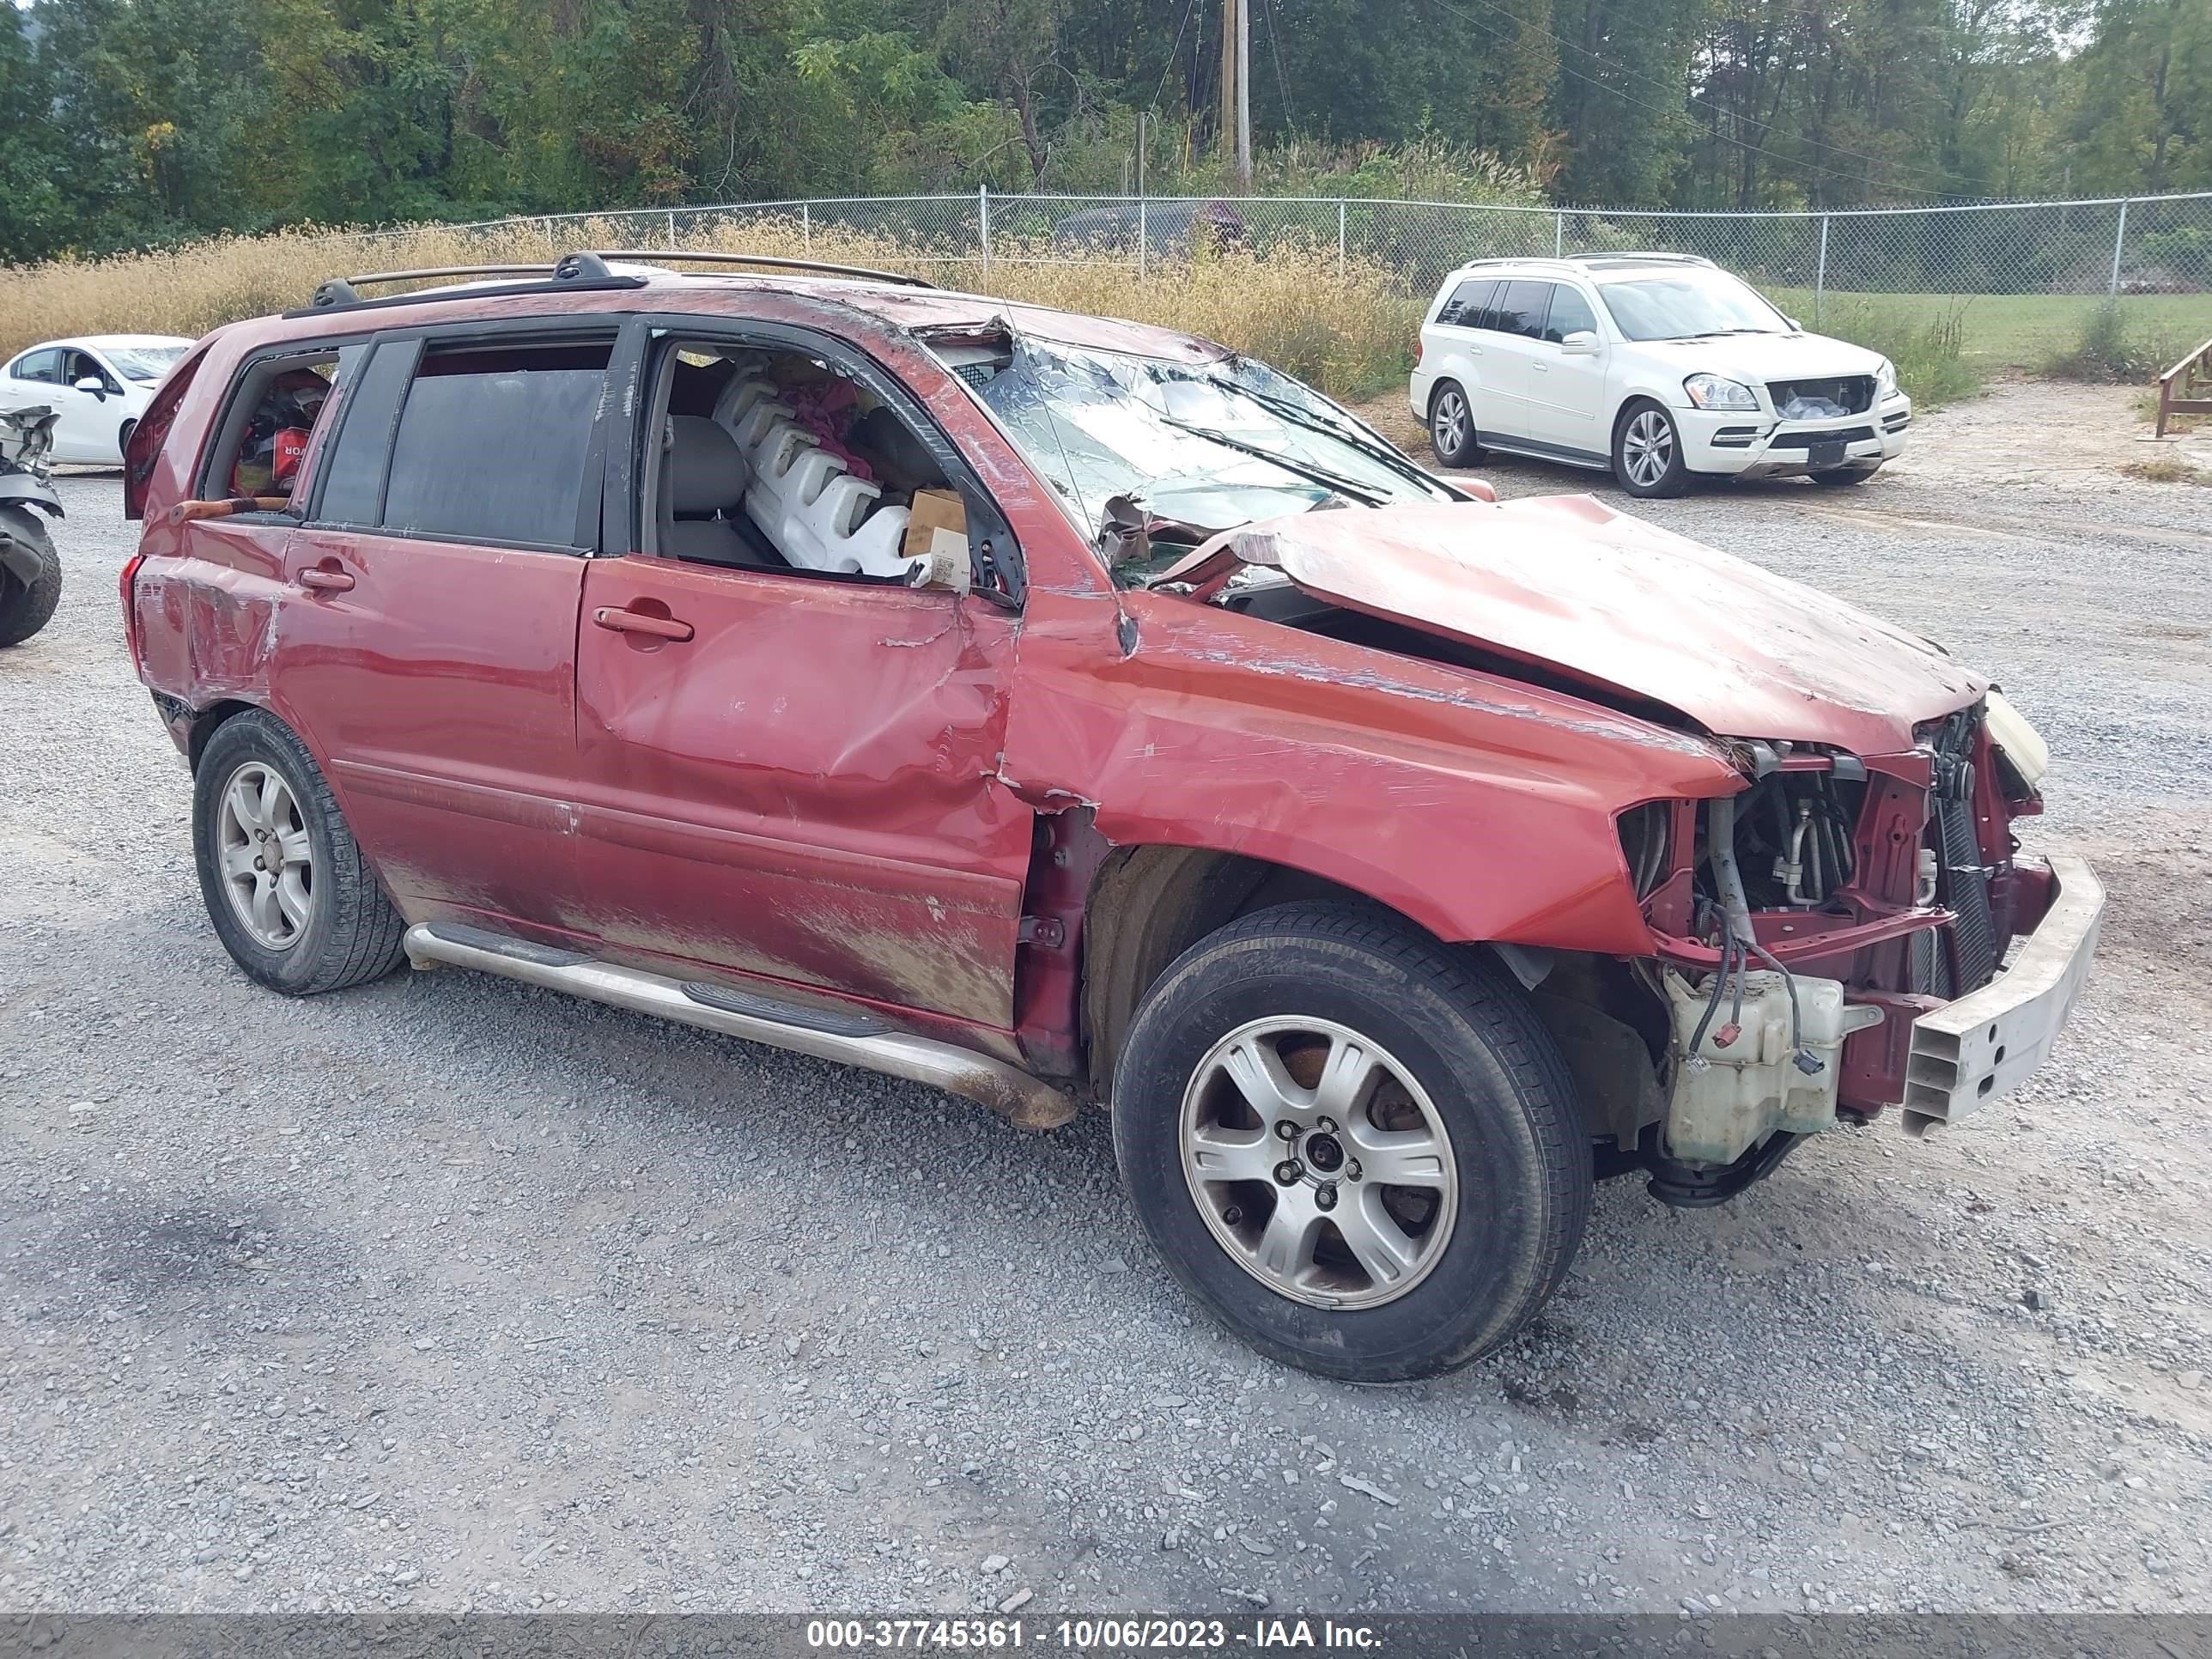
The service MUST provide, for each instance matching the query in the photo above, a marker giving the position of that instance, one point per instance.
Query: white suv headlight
(1711, 392)
(1885, 380)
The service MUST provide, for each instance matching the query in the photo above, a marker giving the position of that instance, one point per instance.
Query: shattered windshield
(1214, 445)
(144, 362)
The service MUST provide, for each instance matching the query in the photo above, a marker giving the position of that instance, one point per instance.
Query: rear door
(1567, 405)
(1511, 324)
(427, 648)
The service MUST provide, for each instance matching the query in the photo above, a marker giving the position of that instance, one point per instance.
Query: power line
(1174, 52)
(1600, 58)
(1273, 9)
(1656, 109)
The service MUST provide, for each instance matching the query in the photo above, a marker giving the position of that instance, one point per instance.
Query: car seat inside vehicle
(775, 460)
(703, 483)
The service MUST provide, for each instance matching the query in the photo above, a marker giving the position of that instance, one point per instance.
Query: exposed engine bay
(1804, 923)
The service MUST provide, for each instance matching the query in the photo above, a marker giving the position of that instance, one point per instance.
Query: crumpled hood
(1565, 582)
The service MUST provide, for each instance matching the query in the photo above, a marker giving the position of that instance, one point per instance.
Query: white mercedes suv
(1660, 367)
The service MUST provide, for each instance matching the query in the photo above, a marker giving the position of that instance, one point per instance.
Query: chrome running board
(847, 1039)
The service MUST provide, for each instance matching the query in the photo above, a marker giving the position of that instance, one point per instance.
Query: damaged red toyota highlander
(1054, 709)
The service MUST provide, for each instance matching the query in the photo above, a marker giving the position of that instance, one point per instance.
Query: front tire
(26, 607)
(1647, 452)
(122, 442)
(1320, 1046)
(290, 895)
(1451, 426)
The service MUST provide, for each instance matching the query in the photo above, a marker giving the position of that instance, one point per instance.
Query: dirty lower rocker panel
(1015, 1096)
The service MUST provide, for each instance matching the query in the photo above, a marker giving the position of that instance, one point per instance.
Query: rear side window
(1521, 308)
(1570, 315)
(491, 443)
(44, 367)
(1466, 303)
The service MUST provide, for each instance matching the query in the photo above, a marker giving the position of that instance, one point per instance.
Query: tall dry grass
(1347, 329)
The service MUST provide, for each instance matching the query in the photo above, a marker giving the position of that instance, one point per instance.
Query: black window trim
(615, 329)
(205, 485)
(623, 532)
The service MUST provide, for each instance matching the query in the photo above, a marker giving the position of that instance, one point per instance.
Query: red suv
(1054, 710)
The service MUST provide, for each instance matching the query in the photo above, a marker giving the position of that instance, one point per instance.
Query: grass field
(2007, 331)
(1347, 328)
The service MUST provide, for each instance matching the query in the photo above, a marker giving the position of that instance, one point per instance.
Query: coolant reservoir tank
(1730, 1097)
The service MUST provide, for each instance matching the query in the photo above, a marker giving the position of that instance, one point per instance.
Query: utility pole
(1236, 91)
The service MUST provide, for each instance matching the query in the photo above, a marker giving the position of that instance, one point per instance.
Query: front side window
(84, 366)
(764, 458)
(491, 443)
(1688, 305)
(1571, 313)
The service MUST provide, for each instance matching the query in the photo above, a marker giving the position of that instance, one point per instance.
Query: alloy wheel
(1647, 447)
(1448, 426)
(266, 855)
(1318, 1162)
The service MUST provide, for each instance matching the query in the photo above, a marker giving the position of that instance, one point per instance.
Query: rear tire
(290, 895)
(1464, 1096)
(26, 607)
(1451, 426)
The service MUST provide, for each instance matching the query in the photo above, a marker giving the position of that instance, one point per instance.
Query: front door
(805, 787)
(1566, 384)
(783, 771)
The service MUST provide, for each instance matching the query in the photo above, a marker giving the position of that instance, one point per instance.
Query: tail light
(1416, 348)
(123, 588)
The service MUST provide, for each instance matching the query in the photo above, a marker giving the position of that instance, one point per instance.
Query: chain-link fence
(2018, 279)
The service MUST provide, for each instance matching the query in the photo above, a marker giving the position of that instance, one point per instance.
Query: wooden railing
(2179, 386)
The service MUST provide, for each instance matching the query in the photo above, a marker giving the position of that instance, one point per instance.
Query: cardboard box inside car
(937, 524)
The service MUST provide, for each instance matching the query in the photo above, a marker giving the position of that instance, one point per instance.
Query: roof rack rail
(1514, 259)
(1656, 256)
(774, 261)
(580, 269)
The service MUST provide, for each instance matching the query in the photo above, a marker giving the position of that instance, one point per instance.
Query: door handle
(320, 579)
(1540, 368)
(639, 622)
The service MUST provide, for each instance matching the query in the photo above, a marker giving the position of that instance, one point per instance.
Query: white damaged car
(1661, 367)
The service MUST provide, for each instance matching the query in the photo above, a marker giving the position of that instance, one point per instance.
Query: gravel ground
(447, 1293)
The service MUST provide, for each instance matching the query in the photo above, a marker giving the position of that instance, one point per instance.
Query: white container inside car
(1728, 1099)
(818, 514)
(751, 410)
